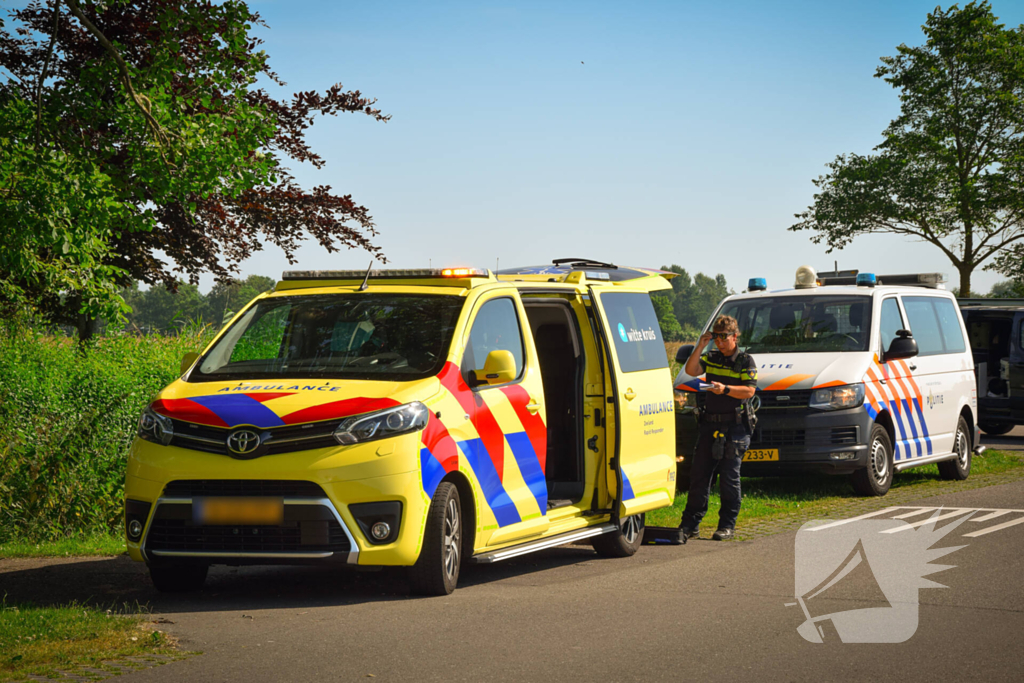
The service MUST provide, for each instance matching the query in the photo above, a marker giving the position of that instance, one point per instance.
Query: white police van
(857, 375)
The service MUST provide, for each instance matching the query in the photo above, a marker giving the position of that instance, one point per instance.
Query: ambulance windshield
(802, 324)
(357, 336)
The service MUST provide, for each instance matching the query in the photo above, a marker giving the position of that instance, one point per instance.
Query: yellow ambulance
(420, 418)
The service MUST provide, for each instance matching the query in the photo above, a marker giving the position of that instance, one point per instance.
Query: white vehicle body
(827, 375)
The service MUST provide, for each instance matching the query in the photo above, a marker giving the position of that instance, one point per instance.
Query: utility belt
(743, 415)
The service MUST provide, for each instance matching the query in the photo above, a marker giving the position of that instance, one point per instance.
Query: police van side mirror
(903, 346)
(187, 361)
(683, 353)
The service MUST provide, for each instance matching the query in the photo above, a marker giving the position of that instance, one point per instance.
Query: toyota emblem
(243, 442)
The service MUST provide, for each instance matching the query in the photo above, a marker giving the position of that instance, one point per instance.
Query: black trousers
(703, 468)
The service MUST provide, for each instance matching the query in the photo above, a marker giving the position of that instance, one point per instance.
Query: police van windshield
(358, 336)
(802, 324)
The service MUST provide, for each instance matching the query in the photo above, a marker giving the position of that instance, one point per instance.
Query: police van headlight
(155, 427)
(836, 398)
(685, 400)
(382, 424)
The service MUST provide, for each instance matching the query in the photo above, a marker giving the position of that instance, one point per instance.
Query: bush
(67, 417)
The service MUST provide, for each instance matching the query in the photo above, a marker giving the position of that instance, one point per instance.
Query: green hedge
(67, 417)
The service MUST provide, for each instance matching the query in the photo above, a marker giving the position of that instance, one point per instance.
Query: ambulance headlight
(685, 401)
(836, 398)
(155, 427)
(383, 424)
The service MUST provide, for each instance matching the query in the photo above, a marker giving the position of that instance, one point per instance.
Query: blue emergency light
(757, 284)
(866, 279)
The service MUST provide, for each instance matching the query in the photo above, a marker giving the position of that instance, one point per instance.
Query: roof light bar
(389, 274)
(757, 284)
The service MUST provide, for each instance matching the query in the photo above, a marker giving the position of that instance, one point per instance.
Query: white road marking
(852, 519)
(997, 527)
(931, 520)
(915, 513)
(993, 515)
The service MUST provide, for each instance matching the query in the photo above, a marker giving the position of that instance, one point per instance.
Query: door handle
(533, 407)
(912, 366)
(630, 394)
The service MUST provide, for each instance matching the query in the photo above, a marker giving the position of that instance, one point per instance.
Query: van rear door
(641, 433)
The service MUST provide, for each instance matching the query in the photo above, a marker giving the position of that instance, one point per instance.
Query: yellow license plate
(266, 511)
(761, 455)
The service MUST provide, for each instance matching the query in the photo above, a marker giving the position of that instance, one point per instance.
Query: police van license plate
(761, 455)
(266, 511)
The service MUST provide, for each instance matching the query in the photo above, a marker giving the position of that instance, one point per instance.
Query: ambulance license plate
(220, 511)
(761, 455)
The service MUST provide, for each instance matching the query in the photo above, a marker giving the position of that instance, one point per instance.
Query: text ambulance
(854, 377)
(419, 418)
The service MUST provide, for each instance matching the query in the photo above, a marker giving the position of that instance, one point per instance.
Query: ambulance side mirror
(903, 346)
(187, 361)
(499, 368)
(683, 353)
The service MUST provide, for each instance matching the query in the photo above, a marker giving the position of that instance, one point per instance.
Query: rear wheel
(959, 468)
(995, 428)
(624, 541)
(436, 572)
(876, 478)
(178, 578)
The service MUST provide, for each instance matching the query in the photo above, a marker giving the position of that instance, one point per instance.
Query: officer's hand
(705, 339)
(717, 388)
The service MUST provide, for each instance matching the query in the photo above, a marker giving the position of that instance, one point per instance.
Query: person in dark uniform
(725, 427)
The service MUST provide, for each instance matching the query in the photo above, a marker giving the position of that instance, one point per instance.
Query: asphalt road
(1011, 441)
(706, 611)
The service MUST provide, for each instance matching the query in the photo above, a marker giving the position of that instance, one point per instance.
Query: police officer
(725, 427)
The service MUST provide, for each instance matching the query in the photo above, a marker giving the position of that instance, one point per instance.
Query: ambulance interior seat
(558, 350)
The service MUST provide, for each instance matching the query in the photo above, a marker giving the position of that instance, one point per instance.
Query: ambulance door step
(662, 535)
(543, 544)
(561, 503)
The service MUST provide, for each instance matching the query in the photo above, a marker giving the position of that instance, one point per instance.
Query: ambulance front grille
(182, 535)
(278, 488)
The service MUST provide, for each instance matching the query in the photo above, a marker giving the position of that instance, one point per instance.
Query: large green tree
(950, 170)
(137, 144)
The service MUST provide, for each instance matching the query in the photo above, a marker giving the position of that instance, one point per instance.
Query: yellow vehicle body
(525, 475)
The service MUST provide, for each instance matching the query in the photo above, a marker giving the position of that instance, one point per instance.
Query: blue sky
(691, 131)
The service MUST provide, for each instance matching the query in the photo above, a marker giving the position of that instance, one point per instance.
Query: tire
(960, 468)
(996, 428)
(624, 541)
(436, 572)
(178, 578)
(876, 478)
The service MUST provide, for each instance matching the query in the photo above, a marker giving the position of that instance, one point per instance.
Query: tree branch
(46, 67)
(141, 102)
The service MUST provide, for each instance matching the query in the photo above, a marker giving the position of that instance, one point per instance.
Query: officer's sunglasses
(721, 335)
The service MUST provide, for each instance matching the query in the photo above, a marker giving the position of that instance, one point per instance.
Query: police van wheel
(436, 572)
(876, 478)
(178, 577)
(624, 541)
(959, 468)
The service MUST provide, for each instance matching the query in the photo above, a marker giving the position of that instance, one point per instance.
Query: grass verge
(83, 545)
(784, 497)
(47, 640)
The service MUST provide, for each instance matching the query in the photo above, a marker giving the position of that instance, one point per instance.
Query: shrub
(67, 417)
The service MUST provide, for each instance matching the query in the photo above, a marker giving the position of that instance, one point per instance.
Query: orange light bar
(462, 272)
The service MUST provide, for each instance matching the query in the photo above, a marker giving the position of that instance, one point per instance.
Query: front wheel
(959, 468)
(624, 541)
(876, 478)
(436, 572)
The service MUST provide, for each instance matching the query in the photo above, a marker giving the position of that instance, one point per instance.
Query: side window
(496, 327)
(891, 322)
(635, 331)
(924, 324)
(949, 323)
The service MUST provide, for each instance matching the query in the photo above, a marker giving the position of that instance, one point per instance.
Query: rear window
(635, 331)
(935, 325)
